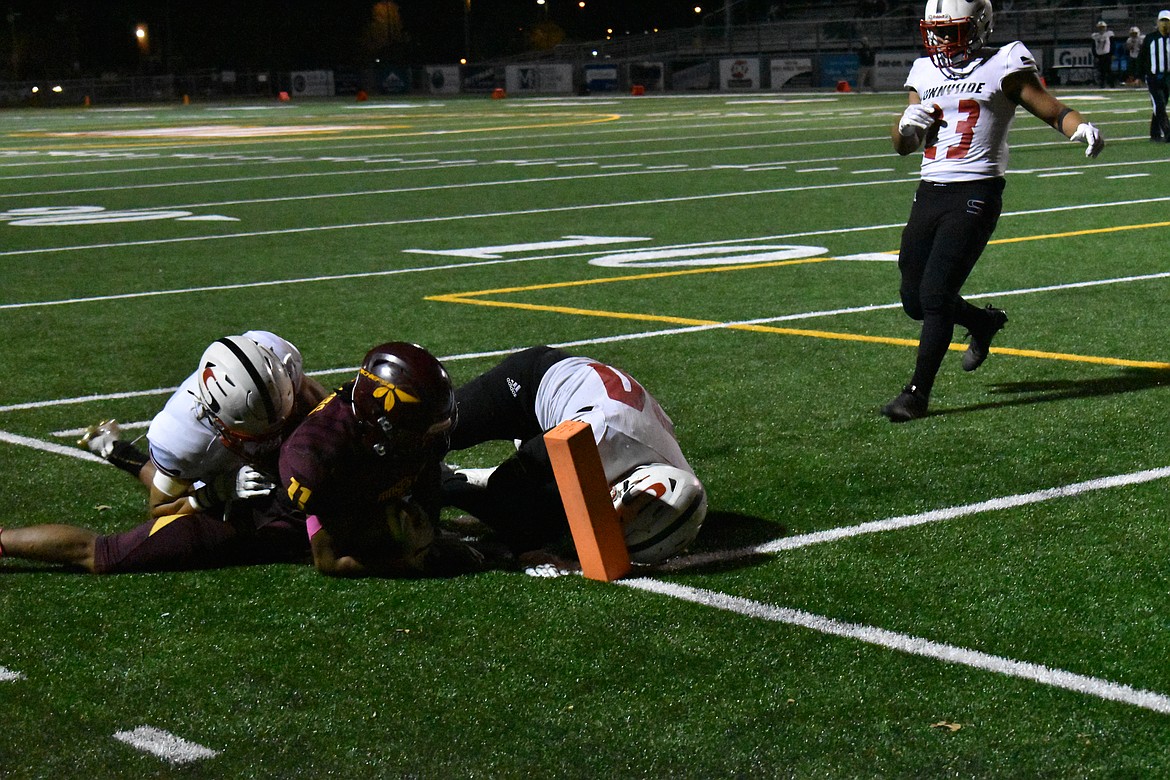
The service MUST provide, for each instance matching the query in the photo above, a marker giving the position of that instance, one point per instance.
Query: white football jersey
(185, 446)
(630, 428)
(973, 143)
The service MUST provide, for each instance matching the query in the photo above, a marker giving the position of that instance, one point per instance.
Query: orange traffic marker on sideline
(597, 533)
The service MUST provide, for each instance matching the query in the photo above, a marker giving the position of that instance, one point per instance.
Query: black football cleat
(909, 405)
(981, 337)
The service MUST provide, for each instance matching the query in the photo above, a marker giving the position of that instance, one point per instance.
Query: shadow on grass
(1130, 380)
(726, 542)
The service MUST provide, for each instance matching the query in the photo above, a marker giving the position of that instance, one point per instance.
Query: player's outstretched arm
(1025, 88)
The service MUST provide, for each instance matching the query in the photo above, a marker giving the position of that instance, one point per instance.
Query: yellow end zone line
(474, 298)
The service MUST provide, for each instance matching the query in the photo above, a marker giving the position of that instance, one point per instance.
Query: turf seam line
(1057, 678)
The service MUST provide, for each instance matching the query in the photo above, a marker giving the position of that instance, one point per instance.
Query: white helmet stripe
(257, 380)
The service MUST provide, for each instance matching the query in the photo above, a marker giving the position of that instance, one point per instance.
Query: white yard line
(905, 643)
(172, 749)
(910, 521)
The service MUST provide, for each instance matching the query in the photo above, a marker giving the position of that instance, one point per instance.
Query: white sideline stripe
(167, 746)
(7, 675)
(1057, 678)
(923, 518)
(48, 446)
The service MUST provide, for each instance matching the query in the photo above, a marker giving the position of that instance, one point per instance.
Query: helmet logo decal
(390, 393)
(206, 378)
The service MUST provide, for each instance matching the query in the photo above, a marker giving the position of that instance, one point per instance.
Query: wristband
(312, 526)
(204, 498)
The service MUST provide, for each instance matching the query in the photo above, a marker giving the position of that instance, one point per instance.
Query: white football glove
(250, 483)
(546, 570)
(917, 116)
(1091, 136)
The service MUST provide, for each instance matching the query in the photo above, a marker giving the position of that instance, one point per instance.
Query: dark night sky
(86, 37)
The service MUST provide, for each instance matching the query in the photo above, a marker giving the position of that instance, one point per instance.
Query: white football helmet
(953, 32)
(661, 508)
(244, 393)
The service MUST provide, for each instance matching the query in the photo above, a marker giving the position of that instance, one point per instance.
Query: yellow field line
(1074, 233)
(474, 298)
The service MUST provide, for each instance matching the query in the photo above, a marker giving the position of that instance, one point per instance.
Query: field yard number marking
(770, 257)
(707, 256)
(497, 252)
(59, 216)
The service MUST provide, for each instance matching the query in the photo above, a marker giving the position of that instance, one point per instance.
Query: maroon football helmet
(403, 400)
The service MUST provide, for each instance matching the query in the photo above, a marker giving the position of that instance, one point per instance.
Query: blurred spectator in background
(1133, 53)
(865, 63)
(1102, 43)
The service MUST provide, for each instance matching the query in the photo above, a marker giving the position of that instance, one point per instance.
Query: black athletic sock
(128, 457)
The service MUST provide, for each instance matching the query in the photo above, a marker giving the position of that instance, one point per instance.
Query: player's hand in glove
(1091, 137)
(918, 117)
(250, 483)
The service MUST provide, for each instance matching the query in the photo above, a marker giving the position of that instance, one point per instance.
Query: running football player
(962, 100)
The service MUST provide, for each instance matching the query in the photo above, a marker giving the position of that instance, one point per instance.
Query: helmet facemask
(953, 33)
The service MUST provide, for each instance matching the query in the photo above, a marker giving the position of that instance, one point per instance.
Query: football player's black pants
(520, 501)
(949, 226)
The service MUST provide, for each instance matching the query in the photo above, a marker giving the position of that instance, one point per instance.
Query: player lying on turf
(184, 444)
(660, 501)
(365, 468)
(211, 471)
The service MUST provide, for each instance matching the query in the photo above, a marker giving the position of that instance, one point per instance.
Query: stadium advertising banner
(1073, 65)
(312, 83)
(890, 68)
(836, 68)
(532, 79)
(601, 78)
(785, 70)
(651, 75)
(478, 78)
(443, 79)
(741, 73)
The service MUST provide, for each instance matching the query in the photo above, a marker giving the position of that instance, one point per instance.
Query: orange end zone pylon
(597, 533)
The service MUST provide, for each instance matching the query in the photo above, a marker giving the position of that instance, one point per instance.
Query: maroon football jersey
(326, 471)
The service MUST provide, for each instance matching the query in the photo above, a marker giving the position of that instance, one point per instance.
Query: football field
(981, 593)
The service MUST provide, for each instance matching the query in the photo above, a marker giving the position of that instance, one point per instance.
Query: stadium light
(143, 36)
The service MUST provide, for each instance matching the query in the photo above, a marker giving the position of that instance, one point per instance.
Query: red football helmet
(403, 399)
(953, 32)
